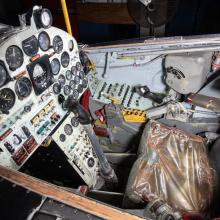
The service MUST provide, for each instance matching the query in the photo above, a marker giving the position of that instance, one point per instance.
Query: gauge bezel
(22, 61)
(5, 110)
(28, 40)
(59, 66)
(65, 53)
(16, 89)
(48, 37)
(69, 127)
(57, 51)
(50, 15)
(58, 85)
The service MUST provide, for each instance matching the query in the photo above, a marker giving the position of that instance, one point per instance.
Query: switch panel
(72, 138)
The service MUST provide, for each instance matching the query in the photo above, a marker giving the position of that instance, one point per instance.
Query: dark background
(193, 17)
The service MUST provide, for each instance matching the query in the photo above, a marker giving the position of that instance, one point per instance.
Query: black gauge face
(55, 66)
(3, 75)
(78, 66)
(62, 137)
(81, 75)
(66, 89)
(14, 57)
(57, 44)
(68, 129)
(30, 46)
(56, 88)
(77, 79)
(61, 79)
(7, 99)
(65, 59)
(73, 70)
(23, 87)
(84, 83)
(74, 121)
(71, 45)
(75, 94)
(39, 74)
(80, 88)
(72, 84)
(68, 75)
(44, 41)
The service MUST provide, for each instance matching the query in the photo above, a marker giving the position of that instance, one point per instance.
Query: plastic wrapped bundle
(172, 166)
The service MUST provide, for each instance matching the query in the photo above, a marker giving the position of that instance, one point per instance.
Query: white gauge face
(46, 18)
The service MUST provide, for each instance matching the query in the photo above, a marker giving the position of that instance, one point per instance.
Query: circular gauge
(84, 83)
(66, 89)
(56, 88)
(71, 45)
(80, 88)
(73, 70)
(7, 99)
(3, 75)
(65, 59)
(77, 79)
(74, 121)
(44, 41)
(39, 74)
(68, 129)
(57, 44)
(61, 80)
(68, 75)
(78, 66)
(23, 87)
(46, 18)
(72, 84)
(75, 94)
(62, 137)
(81, 75)
(30, 46)
(14, 57)
(55, 66)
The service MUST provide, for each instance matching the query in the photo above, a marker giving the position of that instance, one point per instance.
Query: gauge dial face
(70, 45)
(77, 80)
(39, 74)
(3, 75)
(80, 88)
(84, 83)
(14, 57)
(73, 70)
(74, 121)
(65, 59)
(78, 66)
(44, 41)
(46, 18)
(62, 80)
(72, 84)
(68, 75)
(23, 87)
(68, 129)
(62, 137)
(30, 46)
(7, 99)
(66, 89)
(75, 94)
(81, 75)
(56, 88)
(57, 44)
(55, 66)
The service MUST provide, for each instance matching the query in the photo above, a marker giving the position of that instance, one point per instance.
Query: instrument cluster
(37, 67)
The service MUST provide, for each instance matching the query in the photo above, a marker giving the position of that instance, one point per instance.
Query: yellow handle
(66, 16)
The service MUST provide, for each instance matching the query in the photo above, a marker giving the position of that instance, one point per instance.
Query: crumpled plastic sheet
(173, 166)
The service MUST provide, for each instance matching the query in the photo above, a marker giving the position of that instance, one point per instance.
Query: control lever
(84, 118)
(145, 92)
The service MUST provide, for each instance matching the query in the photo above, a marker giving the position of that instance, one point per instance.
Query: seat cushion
(173, 166)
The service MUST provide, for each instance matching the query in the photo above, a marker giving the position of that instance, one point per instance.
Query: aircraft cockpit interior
(134, 125)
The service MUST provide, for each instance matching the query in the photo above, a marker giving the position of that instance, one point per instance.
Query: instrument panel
(38, 68)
